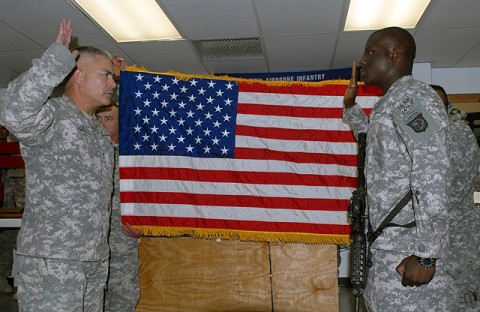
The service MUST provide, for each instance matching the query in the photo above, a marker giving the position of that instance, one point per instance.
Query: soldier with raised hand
(406, 170)
(69, 161)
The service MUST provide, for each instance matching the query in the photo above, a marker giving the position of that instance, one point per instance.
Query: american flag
(211, 157)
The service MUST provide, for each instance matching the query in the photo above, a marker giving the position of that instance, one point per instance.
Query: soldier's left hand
(131, 231)
(413, 273)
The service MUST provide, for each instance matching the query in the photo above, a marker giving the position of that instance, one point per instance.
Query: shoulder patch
(415, 120)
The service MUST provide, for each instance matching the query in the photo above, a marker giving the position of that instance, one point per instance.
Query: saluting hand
(352, 89)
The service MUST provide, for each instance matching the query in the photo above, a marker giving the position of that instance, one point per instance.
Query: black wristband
(427, 263)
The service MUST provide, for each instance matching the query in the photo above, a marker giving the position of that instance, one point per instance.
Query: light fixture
(377, 14)
(130, 20)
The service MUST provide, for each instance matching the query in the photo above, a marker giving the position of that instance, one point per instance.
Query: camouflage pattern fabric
(123, 286)
(406, 150)
(69, 165)
(60, 285)
(385, 292)
(463, 257)
(69, 182)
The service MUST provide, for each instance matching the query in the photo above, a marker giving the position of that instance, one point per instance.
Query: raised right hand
(352, 89)
(65, 35)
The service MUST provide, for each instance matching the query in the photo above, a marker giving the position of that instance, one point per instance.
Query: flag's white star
(165, 87)
(198, 122)
(136, 146)
(171, 147)
(225, 133)
(215, 141)
(147, 86)
(139, 77)
(182, 104)
(181, 139)
(207, 132)
(189, 148)
(193, 82)
(164, 103)
(137, 111)
(208, 115)
(190, 114)
(217, 124)
(154, 147)
(198, 140)
(172, 113)
(137, 128)
(210, 100)
(183, 89)
(138, 94)
(229, 85)
(189, 131)
(173, 96)
(157, 78)
(211, 84)
(226, 117)
(145, 137)
(146, 120)
(218, 109)
(155, 112)
(163, 121)
(162, 138)
(147, 103)
(172, 130)
(201, 91)
(192, 98)
(224, 150)
(219, 92)
(175, 80)
(154, 129)
(181, 122)
(200, 106)
(155, 95)
(206, 149)
(228, 102)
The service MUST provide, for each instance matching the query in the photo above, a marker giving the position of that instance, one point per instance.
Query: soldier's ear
(78, 76)
(395, 54)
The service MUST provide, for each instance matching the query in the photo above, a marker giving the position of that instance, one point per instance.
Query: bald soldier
(406, 169)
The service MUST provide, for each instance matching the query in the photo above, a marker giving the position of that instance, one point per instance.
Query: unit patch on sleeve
(415, 120)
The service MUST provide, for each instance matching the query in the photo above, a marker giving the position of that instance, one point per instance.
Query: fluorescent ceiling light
(130, 20)
(377, 14)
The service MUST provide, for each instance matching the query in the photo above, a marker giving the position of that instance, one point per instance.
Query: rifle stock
(358, 216)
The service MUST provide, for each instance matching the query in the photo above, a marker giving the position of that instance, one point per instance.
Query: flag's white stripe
(292, 122)
(297, 146)
(318, 101)
(248, 165)
(219, 188)
(235, 213)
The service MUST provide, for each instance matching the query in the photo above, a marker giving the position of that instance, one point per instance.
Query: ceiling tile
(234, 67)
(12, 40)
(301, 52)
(164, 56)
(447, 13)
(212, 19)
(444, 48)
(349, 48)
(299, 16)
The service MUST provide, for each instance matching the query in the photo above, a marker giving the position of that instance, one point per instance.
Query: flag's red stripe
(297, 157)
(287, 227)
(325, 89)
(235, 201)
(296, 134)
(226, 176)
(289, 111)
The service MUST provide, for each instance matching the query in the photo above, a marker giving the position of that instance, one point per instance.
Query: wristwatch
(427, 263)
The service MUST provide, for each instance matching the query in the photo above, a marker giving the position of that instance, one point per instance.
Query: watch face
(427, 263)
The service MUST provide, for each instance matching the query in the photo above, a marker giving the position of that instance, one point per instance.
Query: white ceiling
(295, 35)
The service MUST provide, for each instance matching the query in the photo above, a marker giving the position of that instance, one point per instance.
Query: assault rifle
(358, 215)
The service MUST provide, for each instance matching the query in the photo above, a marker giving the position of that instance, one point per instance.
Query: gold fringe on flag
(253, 236)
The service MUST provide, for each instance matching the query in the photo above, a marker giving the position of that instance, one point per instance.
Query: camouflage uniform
(463, 258)
(69, 181)
(123, 287)
(406, 150)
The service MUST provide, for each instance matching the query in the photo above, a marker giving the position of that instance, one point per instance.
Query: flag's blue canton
(162, 115)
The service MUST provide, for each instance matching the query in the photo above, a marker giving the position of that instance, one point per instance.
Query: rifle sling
(372, 235)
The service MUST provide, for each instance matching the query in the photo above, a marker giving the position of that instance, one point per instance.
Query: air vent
(241, 49)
